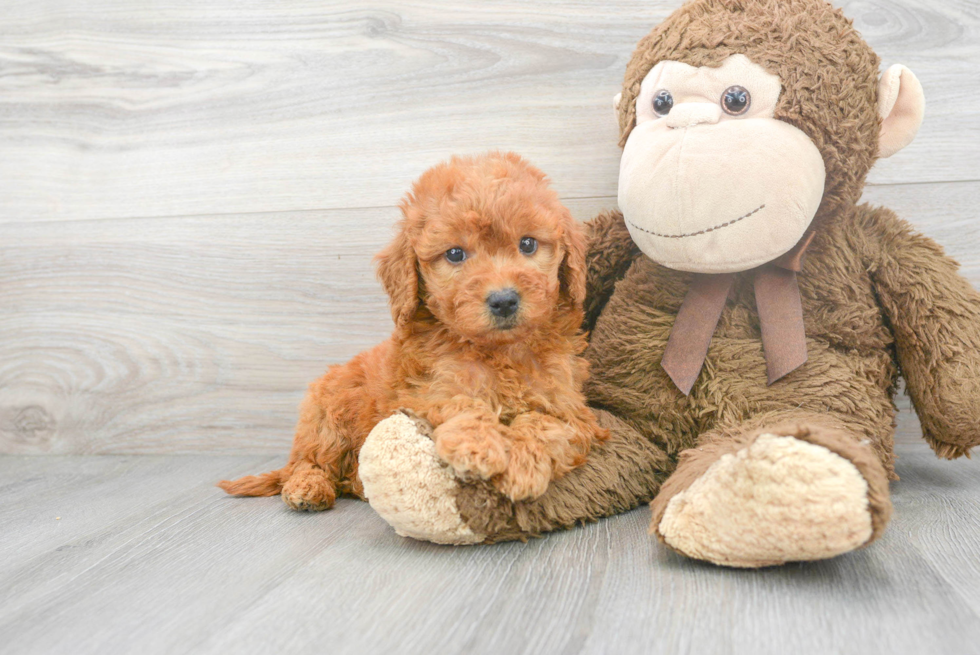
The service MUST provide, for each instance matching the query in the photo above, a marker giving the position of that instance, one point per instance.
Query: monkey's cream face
(710, 181)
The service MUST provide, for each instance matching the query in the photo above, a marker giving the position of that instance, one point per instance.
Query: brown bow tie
(777, 297)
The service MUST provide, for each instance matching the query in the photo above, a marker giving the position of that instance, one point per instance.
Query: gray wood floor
(148, 557)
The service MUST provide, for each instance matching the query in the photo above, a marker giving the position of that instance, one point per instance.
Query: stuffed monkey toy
(748, 319)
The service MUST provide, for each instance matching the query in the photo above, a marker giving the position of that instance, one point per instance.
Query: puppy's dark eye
(736, 100)
(455, 255)
(528, 245)
(663, 102)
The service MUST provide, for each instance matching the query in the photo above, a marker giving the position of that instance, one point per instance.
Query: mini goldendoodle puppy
(486, 279)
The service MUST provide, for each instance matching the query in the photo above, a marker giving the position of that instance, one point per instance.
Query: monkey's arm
(610, 252)
(935, 317)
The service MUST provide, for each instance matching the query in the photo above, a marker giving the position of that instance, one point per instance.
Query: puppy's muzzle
(503, 304)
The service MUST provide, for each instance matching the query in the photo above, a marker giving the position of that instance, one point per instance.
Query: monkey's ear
(901, 105)
(398, 270)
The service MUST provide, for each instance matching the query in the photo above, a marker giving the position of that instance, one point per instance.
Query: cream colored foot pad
(779, 500)
(409, 486)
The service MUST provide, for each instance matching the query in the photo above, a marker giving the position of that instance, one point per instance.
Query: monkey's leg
(794, 487)
(415, 492)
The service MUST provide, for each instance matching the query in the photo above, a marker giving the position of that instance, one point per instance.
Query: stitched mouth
(704, 231)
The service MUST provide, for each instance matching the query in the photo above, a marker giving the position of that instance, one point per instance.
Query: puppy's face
(491, 275)
(497, 252)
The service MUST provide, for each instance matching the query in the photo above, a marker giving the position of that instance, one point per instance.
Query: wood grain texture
(109, 109)
(173, 335)
(180, 334)
(192, 195)
(148, 557)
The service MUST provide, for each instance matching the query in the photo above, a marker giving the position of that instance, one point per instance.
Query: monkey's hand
(935, 317)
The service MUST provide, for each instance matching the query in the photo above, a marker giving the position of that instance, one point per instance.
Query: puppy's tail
(267, 484)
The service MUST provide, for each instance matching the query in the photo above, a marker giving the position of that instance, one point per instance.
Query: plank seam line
(280, 212)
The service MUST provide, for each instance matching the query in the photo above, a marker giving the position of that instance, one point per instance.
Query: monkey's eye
(735, 100)
(455, 255)
(662, 102)
(528, 245)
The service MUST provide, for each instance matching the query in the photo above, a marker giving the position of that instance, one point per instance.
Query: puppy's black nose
(503, 303)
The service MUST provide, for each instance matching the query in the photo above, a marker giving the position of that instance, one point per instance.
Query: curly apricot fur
(505, 399)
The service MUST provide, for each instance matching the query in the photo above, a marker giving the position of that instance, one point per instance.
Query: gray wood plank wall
(191, 193)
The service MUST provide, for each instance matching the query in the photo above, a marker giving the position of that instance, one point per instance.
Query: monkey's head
(744, 121)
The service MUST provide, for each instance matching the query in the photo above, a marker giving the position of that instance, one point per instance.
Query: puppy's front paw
(472, 447)
(528, 472)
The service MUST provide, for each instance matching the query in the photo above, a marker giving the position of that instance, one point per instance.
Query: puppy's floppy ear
(572, 271)
(398, 270)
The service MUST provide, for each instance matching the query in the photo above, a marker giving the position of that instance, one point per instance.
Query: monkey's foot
(409, 486)
(777, 499)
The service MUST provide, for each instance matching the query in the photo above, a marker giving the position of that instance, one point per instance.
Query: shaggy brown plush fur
(504, 394)
(878, 299)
